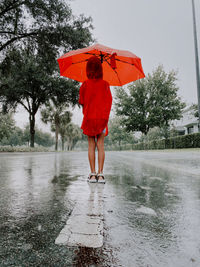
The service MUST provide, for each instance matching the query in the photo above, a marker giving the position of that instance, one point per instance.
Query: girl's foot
(92, 178)
(101, 178)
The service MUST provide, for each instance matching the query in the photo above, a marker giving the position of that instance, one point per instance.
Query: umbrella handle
(113, 61)
(101, 56)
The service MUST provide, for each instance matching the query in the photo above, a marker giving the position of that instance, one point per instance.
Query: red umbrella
(119, 66)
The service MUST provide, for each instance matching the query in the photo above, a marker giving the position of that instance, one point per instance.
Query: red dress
(96, 99)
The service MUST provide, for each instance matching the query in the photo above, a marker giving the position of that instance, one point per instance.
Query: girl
(96, 100)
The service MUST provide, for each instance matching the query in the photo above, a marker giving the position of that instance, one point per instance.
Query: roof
(192, 123)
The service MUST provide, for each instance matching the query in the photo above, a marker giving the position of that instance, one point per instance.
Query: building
(188, 123)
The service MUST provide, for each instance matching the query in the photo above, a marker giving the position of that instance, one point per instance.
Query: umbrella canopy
(119, 66)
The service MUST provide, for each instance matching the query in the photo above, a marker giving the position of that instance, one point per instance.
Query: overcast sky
(158, 31)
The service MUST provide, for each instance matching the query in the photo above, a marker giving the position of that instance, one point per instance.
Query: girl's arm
(81, 96)
(109, 98)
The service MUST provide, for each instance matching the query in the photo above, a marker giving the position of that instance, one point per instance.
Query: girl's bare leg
(101, 152)
(91, 154)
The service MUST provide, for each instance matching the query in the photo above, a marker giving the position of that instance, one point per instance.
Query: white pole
(196, 58)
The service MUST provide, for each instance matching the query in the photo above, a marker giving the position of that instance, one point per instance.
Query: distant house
(188, 123)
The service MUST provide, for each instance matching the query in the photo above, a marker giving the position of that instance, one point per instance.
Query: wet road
(151, 209)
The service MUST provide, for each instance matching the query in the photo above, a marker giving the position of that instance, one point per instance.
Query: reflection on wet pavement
(151, 212)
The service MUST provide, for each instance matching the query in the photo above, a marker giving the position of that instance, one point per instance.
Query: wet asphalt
(151, 209)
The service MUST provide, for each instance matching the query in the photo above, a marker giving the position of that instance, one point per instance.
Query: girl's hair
(94, 68)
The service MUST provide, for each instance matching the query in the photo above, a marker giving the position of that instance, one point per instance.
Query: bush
(116, 147)
(184, 141)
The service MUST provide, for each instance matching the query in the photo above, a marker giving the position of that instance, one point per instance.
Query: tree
(64, 125)
(57, 115)
(47, 23)
(32, 34)
(26, 135)
(41, 138)
(72, 134)
(7, 125)
(28, 83)
(118, 133)
(150, 102)
(194, 110)
(155, 133)
(15, 138)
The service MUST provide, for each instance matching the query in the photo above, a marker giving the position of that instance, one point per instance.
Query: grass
(23, 149)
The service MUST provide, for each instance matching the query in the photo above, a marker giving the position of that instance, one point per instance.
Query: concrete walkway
(85, 225)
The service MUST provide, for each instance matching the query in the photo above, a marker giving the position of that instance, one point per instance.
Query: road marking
(85, 225)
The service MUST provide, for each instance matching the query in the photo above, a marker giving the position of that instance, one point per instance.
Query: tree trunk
(56, 144)
(32, 129)
(68, 143)
(63, 143)
(119, 144)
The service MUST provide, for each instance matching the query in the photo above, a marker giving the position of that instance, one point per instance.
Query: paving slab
(85, 225)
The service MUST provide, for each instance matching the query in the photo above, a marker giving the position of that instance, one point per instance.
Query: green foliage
(184, 141)
(46, 23)
(19, 137)
(41, 138)
(56, 114)
(149, 102)
(26, 82)
(194, 110)
(6, 125)
(153, 134)
(133, 106)
(32, 34)
(15, 138)
(118, 136)
(157, 133)
(72, 134)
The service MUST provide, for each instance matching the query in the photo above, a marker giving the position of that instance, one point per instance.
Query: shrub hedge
(183, 141)
(116, 147)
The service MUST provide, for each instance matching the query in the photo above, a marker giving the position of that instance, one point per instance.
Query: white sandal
(101, 181)
(90, 176)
